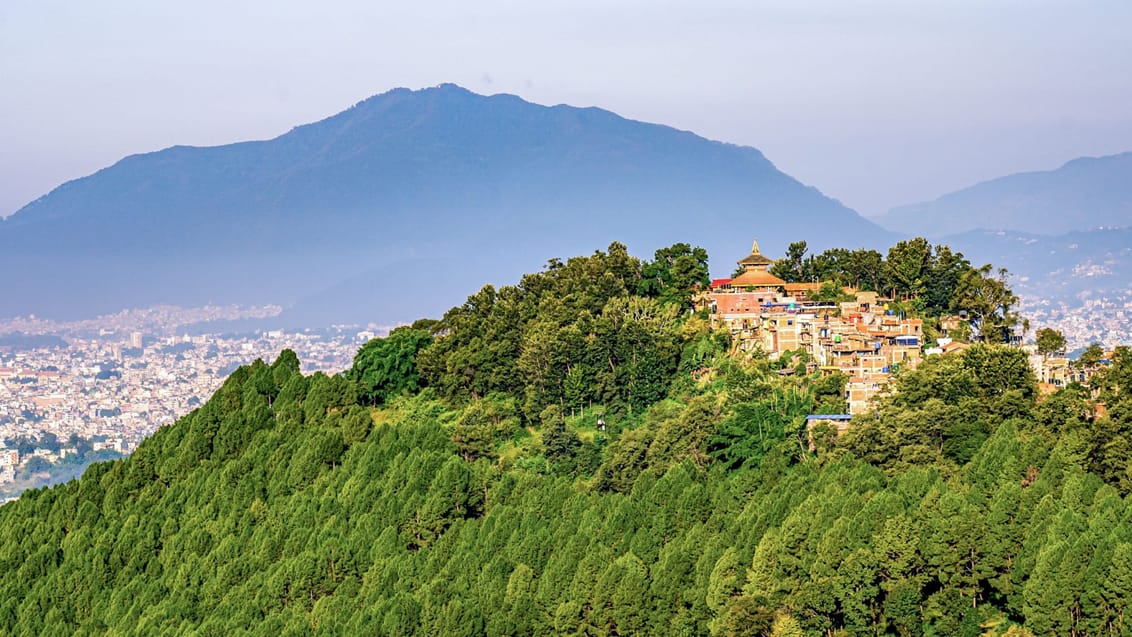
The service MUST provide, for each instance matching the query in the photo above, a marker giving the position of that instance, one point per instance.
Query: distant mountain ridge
(392, 208)
(1086, 193)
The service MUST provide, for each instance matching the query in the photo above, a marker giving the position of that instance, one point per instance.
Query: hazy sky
(875, 103)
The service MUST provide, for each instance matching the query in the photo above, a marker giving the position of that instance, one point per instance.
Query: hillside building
(860, 338)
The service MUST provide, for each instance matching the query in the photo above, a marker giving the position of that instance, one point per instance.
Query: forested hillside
(456, 481)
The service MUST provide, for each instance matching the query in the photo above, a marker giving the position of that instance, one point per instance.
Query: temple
(756, 271)
(862, 338)
(746, 294)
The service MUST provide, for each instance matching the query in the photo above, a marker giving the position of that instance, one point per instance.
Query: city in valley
(80, 388)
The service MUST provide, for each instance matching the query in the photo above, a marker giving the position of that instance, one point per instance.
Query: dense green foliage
(287, 505)
(1049, 341)
(572, 335)
(674, 272)
(387, 367)
(934, 280)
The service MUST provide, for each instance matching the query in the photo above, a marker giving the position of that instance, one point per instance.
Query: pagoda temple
(756, 271)
(745, 296)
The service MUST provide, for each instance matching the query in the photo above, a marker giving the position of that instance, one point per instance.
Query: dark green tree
(1090, 358)
(386, 367)
(1050, 341)
(945, 270)
(674, 274)
(908, 266)
(793, 267)
(561, 447)
(988, 302)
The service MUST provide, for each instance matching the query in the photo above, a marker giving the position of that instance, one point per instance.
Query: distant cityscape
(1092, 317)
(116, 379)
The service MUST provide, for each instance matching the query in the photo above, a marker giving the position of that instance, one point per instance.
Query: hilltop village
(863, 336)
(860, 338)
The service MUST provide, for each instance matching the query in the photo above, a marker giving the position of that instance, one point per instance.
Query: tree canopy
(931, 280)
(1049, 341)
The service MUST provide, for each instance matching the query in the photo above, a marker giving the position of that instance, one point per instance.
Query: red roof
(718, 283)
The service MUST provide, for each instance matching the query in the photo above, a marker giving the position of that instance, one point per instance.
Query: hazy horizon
(877, 104)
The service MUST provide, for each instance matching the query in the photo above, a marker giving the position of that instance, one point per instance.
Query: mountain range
(393, 208)
(1083, 194)
(1064, 234)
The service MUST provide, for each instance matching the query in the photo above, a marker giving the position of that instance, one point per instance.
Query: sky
(875, 103)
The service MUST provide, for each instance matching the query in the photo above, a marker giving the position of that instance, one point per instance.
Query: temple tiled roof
(756, 278)
(755, 258)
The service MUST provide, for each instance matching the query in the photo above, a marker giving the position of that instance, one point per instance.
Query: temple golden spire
(755, 260)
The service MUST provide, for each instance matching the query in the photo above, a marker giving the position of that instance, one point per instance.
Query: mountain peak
(444, 89)
(384, 184)
(1105, 161)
